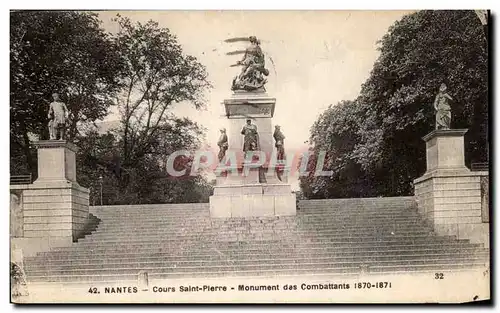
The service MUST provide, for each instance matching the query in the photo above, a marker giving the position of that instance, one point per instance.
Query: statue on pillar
(222, 143)
(280, 143)
(251, 139)
(443, 108)
(253, 72)
(58, 115)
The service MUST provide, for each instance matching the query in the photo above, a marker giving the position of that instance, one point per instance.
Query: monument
(223, 145)
(443, 108)
(58, 114)
(55, 207)
(247, 183)
(448, 193)
(280, 143)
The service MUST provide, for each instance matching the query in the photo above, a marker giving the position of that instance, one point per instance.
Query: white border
(181, 5)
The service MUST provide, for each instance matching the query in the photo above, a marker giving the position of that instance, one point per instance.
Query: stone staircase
(338, 237)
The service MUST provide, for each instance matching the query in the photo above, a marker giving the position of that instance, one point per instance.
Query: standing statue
(222, 143)
(251, 139)
(58, 115)
(443, 108)
(280, 143)
(253, 72)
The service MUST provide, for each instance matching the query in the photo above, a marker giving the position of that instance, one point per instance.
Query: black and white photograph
(249, 156)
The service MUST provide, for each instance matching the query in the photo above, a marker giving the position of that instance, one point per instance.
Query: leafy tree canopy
(141, 69)
(63, 52)
(374, 142)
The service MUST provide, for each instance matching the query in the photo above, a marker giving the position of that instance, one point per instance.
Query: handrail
(21, 179)
(479, 166)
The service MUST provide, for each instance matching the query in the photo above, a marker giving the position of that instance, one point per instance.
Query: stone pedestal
(258, 107)
(445, 150)
(55, 205)
(242, 195)
(246, 191)
(449, 194)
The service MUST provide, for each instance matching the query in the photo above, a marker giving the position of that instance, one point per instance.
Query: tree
(394, 108)
(149, 180)
(141, 69)
(336, 133)
(157, 75)
(64, 52)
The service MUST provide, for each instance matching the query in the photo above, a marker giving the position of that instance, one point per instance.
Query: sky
(318, 58)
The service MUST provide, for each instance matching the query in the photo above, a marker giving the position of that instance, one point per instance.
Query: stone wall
(55, 211)
(43, 216)
(455, 204)
(451, 198)
(16, 213)
(485, 198)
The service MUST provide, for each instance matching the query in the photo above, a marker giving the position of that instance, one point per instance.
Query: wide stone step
(262, 266)
(279, 240)
(346, 237)
(93, 251)
(369, 200)
(203, 266)
(309, 221)
(145, 215)
(248, 255)
(193, 205)
(137, 230)
(120, 210)
(151, 216)
(132, 278)
(227, 252)
(302, 216)
(356, 208)
(246, 249)
(204, 212)
(252, 254)
(151, 207)
(243, 228)
(363, 199)
(299, 224)
(301, 228)
(204, 261)
(253, 236)
(348, 213)
(340, 212)
(357, 236)
(354, 202)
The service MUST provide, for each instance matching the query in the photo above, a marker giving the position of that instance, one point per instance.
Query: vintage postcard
(249, 156)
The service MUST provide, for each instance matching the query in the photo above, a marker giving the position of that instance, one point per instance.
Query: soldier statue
(280, 143)
(58, 115)
(222, 143)
(251, 139)
(443, 108)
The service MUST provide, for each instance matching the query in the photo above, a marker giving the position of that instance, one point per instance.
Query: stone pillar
(449, 194)
(244, 191)
(16, 215)
(55, 206)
